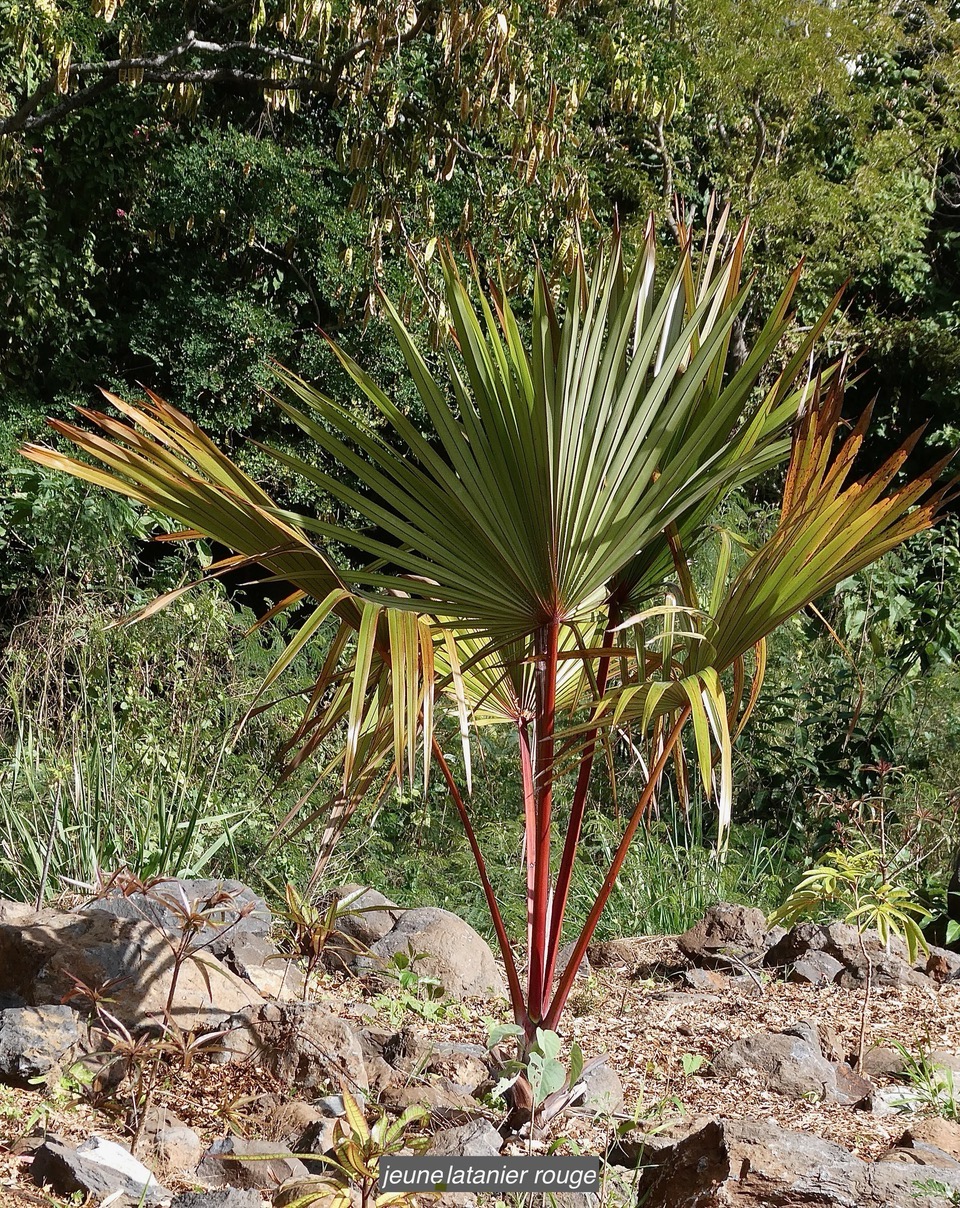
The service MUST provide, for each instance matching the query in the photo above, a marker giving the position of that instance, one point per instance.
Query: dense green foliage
(180, 228)
(180, 232)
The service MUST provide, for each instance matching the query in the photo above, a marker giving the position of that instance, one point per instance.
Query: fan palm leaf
(525, 561)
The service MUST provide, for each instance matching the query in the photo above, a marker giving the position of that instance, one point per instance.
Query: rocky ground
(730, 1074)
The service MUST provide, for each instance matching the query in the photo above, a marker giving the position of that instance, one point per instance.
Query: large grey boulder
(301, 1044)
(842, 942)
(757, 1164)
(98, 1169)
(35, 1042)
(238, 921)
(792, 1063)
(448, 949)
(43, 956)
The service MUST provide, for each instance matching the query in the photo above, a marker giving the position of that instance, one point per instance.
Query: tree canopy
(191, 189)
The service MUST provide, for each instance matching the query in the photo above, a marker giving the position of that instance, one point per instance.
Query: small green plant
(691, 1062)
(932, 1084)
(865, 885)
(311, 927)
(925, 1187)
(354, 1160)
(314, 925)
(651, 1116)
(541, 1086)
(417, 993)
(69, 1090)
(546, 1073)
(588, 997)
(10, 1109)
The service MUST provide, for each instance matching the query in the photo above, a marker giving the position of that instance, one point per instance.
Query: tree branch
(314, 75)
(26, 117)
(77, 100)
(760, 128)
(343, 60)
(667, 159)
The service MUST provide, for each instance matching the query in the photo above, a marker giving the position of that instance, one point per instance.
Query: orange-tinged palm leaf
(827, 531)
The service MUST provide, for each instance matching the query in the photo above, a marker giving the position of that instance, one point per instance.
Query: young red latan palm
(527, 560)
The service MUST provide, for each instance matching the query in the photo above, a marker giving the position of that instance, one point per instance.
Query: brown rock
(708, 980)
(238, 1162)
(618, 953)
(563, 959)
(15, 912)
(278, 978)
(301, 1044)
(167, 1143)
(882, 1062)
(380, 1074)
(945, 1059)
(603, 1091)
(816, 969)
(319, 1137)
(237, 921)
(756, 1164)
(390, 1057)
(289, 1121)
(921, 1155)
(41, 955)
(725, 931)
(637, 1148)
(831, 1044)
(851, 1086)
(466, 1070)
(944, 1134)
(443, 1102)
(941, 964)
